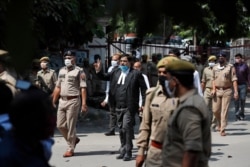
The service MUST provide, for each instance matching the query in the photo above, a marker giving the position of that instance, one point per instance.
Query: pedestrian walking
(46, 77)
(224, 78)
(137, 66)
(126, 83)
(187, 141)
(71, 88)
(243, 84)
(156, 112)
(207, 87)
(112, 115)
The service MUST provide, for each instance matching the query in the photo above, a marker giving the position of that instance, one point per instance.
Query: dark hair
(32, 114)
(130, 58)
(175, 51)
(6, 97)
(186, 79)
(238, 55)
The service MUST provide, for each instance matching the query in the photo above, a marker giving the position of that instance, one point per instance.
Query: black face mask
(162, 80)
(221, 61)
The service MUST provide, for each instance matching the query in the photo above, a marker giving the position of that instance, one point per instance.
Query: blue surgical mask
(124, 68)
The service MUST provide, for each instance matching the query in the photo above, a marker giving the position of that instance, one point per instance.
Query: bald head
(137, 66)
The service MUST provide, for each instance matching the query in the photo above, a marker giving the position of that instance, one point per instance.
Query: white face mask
(67, 62)
(114, 63)
(43, 65)
(211, 64)
(169, 92)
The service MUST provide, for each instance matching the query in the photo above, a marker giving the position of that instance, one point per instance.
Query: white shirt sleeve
(147, 84)
(197, 82)
(107, 86)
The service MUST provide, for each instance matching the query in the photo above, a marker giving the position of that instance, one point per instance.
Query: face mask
(114, 63)
(211, 64)
(169, 92)
(162, 80)
(123, 68)
(43, 65)
(237, 60)
(67, 62)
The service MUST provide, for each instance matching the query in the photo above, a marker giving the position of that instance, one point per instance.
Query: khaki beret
(166, 60)
(212, 58)
(45, 58)
(180, 66)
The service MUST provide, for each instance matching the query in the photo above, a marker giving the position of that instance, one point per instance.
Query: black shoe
(120, 156)
(110, 133)
(237, 118)
(242, 118)
(127, 157)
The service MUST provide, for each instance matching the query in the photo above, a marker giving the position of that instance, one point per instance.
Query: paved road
(97, 150)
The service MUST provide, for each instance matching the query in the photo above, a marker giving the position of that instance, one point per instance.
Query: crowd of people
(175, 122)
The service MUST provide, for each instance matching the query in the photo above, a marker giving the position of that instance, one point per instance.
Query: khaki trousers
(67, 116)
(221, 103)
(208, 100)
(154, 157)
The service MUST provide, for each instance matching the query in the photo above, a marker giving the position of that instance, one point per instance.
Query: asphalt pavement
(97, 150)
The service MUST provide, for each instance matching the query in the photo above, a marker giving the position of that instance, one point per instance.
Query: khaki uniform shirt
(70, 81)
(207, 76)
(188, 130)
(11, 81)
(156, 112)
(49, 77)
(223, 78)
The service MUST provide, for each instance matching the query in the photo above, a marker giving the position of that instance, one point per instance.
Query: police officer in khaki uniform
(5, 75)
(187, 141)
(207, 87)
(158, 106)
(224, 78)
(46, 77)
(71, 87)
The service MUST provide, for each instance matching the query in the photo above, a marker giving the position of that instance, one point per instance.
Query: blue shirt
(242, 73)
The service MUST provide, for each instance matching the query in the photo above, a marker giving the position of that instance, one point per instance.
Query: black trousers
(125, 120)
(112, 119)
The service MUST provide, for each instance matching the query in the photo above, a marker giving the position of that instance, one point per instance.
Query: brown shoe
(77, 141)
(223, 133)
(68, 154)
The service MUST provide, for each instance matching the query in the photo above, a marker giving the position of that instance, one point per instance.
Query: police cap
(212, 58)
(45, 58)
(69, 53)
(166, 60)
(180, 67)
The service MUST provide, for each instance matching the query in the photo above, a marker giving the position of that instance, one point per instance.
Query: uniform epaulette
(78, 68)
(151, 89)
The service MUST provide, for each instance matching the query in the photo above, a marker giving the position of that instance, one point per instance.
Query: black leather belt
(68, 97)
(223, 88)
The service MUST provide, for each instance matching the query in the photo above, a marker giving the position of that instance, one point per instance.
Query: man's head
(174, 52)
(162, 72)
(211, 60)
(137, 66)
(115, 59)
(179, 76)
(125, 62)
(69, 58)
(238, 58)
(222, 58)
(144, 58)
(37, 119)
(44, 61)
